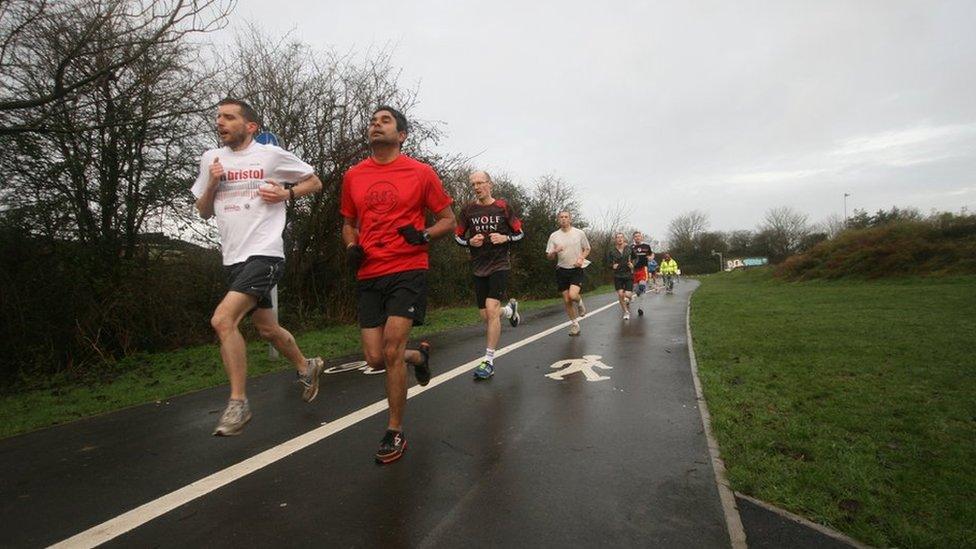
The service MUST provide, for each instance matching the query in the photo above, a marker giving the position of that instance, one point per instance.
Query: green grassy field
(852, 403)
(145, 378)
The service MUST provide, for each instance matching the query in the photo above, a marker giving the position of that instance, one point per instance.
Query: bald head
(481, 182)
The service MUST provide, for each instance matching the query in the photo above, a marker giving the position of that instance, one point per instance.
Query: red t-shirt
(384, 197)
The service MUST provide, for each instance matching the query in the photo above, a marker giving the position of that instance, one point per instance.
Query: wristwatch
(426, 236)
(291, 193)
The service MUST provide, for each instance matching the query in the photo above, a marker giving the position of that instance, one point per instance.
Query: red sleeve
(462, 223)
(347, 207)
(435, 199)
(513, 221)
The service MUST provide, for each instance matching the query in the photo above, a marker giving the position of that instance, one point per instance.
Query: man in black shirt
(640, 253)
(487, 226)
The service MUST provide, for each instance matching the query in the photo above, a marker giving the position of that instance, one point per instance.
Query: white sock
(489, 355)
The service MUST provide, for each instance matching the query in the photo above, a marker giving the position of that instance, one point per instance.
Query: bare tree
(832, 225)
(783, 230)
(684, 229)
(60, 52)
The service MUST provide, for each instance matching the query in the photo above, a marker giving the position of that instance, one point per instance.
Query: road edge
(733, 522)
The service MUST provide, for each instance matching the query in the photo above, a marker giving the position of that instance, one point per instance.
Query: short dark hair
(401, 121)
(247, 111)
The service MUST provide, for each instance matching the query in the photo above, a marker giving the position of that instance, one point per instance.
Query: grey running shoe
(310, 379)
(515, 314)
(237, 413)
(580, 308)
(574, 329)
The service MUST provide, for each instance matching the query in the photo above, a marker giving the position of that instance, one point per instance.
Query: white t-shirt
(573, 242)
(248, 225)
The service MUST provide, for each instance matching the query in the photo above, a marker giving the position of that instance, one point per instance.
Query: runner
(618, 258)
(640, 254)
(669, 270)
(383, 204)
(492, 226)
(569, 247)
(242, 185)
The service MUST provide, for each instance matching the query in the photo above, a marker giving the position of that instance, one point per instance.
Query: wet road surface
(611, 455)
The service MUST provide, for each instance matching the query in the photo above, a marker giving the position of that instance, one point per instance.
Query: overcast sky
(727, 107)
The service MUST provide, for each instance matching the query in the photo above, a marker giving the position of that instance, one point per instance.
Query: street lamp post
(845, 207)
(721, 264)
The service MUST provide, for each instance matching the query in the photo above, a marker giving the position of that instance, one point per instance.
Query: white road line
(733, 522)
(129, 520)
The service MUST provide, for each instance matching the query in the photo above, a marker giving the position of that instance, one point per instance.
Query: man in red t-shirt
(383, 205)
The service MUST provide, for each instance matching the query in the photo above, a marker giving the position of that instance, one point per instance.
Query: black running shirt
(497, 217)
(640, 253)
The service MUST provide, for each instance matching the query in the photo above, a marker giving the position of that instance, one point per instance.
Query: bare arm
(444, 224)
(350, 234)
(204, 204)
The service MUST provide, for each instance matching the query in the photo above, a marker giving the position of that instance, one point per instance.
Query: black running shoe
(640, 312)
(422, 371)
(391, 447)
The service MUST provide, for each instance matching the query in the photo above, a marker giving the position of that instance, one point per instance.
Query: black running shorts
(569, 277)
(494, 286)
(624, 283)
(256, 276)
(398, 294)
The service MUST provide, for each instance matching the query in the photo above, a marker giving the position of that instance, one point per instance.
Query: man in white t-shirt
(242, 184)
(569, 247)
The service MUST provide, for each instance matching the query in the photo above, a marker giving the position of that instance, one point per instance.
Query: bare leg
(492, 315)
(395, 334)
(569, 304)
(233, 351)
(272, 332)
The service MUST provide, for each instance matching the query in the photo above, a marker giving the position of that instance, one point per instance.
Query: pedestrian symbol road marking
(585, 365)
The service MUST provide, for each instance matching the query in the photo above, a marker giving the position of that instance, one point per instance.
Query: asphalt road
(614, 458)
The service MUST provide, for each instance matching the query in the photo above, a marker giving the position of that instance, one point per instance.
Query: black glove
(413, 236)
(355, 256)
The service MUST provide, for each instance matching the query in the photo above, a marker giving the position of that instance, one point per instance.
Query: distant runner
(669, 270)
(640, 254)
(384, 203)
(241, 184)
(618, 258)
(569, 247)
(487, 227)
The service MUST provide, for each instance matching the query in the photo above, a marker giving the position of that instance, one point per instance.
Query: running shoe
(640, 312)
(371, 371)
(422, 371)
(514, 320)
(580, 308)
(626, 316)
(574, 329)
(310, 379)
(484, 370)
(237, 413)
(391, 447)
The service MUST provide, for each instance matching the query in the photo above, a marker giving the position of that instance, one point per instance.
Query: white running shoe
(574, 329)
(626, 316)
(514, 320)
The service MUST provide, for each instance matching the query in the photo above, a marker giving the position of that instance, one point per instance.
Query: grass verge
(849, 402)
(145, 378)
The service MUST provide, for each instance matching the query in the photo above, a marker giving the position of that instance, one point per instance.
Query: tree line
(105, 108)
